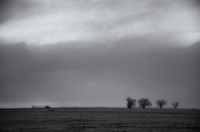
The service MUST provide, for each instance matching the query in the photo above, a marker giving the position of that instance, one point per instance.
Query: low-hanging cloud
(100, 75)
(96, 53)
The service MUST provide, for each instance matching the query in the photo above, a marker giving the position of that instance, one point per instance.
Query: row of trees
(145, 102)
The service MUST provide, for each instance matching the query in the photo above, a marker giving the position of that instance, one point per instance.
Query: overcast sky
(99, 52)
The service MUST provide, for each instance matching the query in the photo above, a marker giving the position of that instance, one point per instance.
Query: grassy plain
(100, 119)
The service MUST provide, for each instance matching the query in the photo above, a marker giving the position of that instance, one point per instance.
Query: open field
(99, 119)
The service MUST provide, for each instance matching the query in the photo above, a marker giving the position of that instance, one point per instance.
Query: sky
(89, 53)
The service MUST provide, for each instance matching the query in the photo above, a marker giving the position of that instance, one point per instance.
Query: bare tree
(144, 102)
(175, 104)
(130, 102)
(161, 103)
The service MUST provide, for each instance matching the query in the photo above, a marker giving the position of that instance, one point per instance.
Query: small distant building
(37, 106)
(48, 107)
(40, 106)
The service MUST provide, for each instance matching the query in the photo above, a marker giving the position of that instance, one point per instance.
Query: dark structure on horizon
(48, 107)
(37, 106)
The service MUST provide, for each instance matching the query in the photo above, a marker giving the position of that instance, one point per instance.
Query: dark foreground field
(90, 120)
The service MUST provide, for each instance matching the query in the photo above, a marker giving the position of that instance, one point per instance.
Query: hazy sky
(98, 52)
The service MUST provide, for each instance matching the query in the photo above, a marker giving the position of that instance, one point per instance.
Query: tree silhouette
(175, 104)
(144, 102)
(161, 103)
(130, 102)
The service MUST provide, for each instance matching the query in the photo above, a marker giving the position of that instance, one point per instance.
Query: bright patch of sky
(66, 21)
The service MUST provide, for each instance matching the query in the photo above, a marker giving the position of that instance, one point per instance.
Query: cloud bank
(98, 52)
(99, 75)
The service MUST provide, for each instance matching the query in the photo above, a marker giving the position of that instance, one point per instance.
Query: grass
(100, 119)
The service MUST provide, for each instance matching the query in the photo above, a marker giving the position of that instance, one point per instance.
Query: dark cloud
(18, 9)
(132, 49)
(99, 75)
(195, 3)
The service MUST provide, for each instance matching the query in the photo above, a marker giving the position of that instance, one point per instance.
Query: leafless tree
(175, 104)
(144, 102)
(130, 102)
(161, 103)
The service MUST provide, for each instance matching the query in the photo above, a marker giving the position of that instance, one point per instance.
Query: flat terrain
(96, 119)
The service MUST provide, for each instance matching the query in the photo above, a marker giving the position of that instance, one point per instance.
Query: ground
(100, 119)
